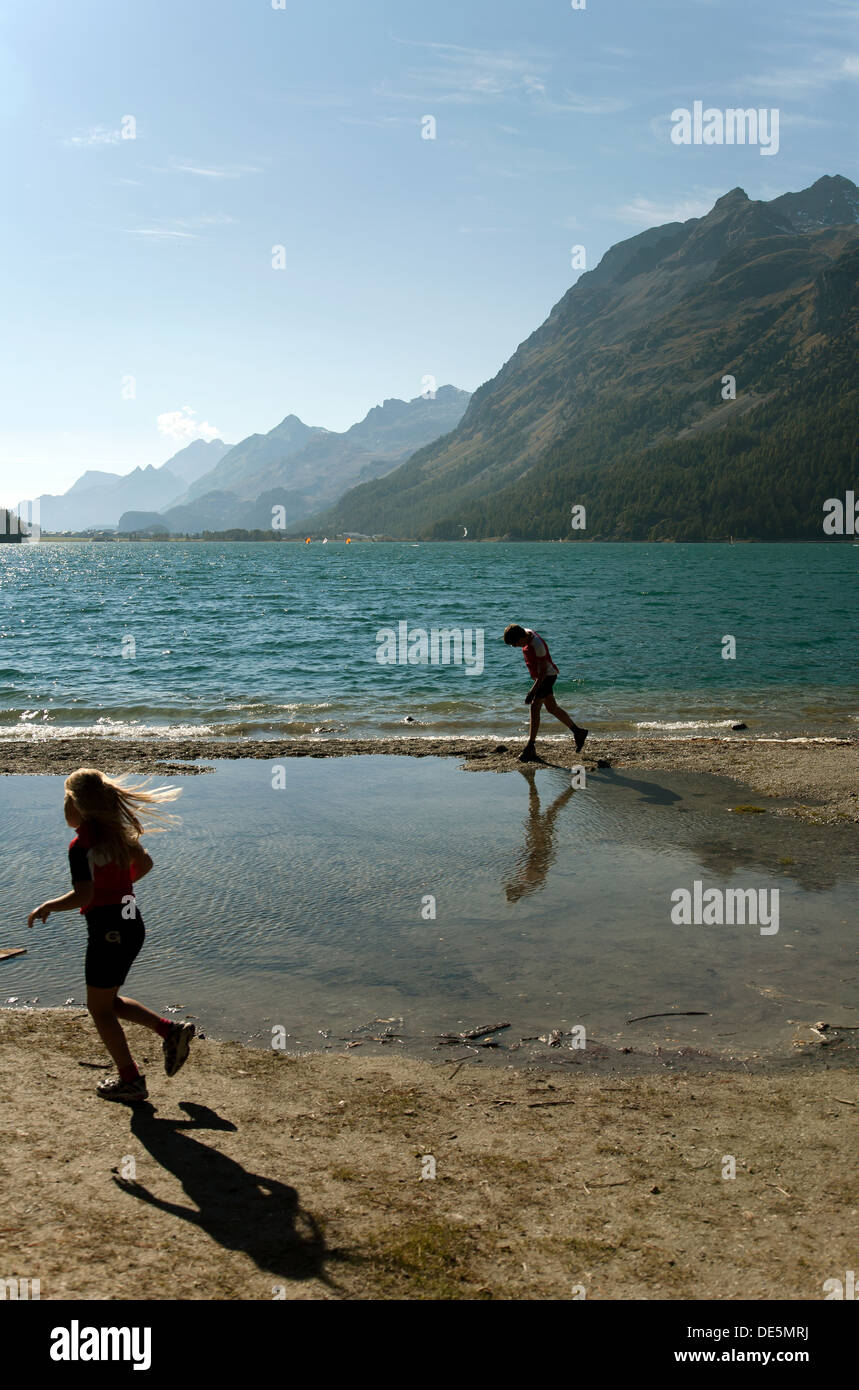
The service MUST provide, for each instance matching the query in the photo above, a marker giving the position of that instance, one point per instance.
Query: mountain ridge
(635, 352)
(98, 499)
(296, 469)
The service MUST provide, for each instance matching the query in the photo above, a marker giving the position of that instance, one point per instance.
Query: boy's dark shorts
(113, 943)
(544, 689)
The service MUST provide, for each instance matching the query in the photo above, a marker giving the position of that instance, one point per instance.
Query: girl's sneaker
(114, 1088)
(176, 1045)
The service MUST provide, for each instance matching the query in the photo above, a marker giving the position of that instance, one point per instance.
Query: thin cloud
(790, 118)
(207, 171)
(161, 232)
(96, 135)
(823, 71)
(206, 219)
(813, 21)
(589, 106)
(455, 74)
(382, 122)
(645, 212)
(184, 227)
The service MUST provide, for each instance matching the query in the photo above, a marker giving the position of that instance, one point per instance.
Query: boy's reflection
(538, 854)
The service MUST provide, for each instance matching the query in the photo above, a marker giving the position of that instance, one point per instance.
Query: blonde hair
(118, 812)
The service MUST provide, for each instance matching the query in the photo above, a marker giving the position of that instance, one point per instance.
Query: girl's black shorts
(113, 943)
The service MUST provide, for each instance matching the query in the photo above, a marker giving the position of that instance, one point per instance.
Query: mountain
(98, 499)
(92, 478)
(235, 471)
(150, 522)
(197, 458)
(618, 403)
(301, 468)
(90, 504)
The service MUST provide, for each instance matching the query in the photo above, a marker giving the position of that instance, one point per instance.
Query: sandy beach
(812, 779)
(253, 1175)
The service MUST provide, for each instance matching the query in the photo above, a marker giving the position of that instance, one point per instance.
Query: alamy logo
(441, 646)
(15, 1289)
(76, 1343)
(23, 519)
(834, 1288)
(734, 126)
(842, 518)
(717, 907)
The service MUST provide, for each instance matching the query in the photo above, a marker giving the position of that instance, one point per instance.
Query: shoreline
(310, 1175)
(815, 779)
(812, 1046)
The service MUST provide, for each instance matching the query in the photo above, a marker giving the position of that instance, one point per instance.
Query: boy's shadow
(239, 1210)
(652, 793)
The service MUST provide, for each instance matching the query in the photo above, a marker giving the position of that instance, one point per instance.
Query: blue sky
(151, 258)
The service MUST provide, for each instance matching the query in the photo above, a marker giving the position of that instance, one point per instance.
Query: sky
(154, 154)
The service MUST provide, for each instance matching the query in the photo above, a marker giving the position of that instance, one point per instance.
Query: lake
(278, 639)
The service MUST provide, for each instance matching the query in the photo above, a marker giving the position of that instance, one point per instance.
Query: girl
(105, 859)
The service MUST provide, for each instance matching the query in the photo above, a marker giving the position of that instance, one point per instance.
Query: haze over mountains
(98, 499)
(300, 467)
(213, 486)
(618, 403)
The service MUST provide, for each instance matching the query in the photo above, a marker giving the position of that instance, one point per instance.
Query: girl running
(106, 858)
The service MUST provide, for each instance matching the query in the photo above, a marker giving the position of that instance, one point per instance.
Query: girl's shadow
(239, 1210)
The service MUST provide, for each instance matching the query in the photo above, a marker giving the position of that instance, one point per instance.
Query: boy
(544, 673)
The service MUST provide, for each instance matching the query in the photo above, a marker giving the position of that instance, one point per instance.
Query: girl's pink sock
(129, 1073)
(164, 1026)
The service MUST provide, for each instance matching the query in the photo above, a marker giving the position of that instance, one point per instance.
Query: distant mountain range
(701, 381)
(295, 467)
(299, 467)
(97, 500)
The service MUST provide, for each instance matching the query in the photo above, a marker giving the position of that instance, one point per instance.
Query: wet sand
(814, 779)
(253, 1172)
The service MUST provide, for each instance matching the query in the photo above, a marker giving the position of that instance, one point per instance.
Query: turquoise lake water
(233, 639)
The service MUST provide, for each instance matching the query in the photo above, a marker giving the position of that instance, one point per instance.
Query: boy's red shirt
(532, 660)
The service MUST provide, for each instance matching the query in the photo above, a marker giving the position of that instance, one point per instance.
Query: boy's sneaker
(176, 1045)
(114, 1088)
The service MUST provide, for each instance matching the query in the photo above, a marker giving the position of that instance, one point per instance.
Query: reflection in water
(539, 852)
(304, 908)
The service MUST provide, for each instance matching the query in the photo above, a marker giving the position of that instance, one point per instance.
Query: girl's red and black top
(112, 882)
